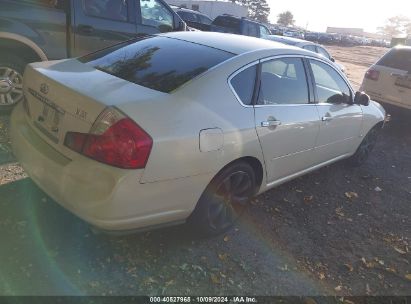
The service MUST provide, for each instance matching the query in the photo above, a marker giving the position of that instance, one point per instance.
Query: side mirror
(332, 59)
(361, 99)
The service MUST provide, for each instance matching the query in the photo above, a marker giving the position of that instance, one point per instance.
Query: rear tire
(11, 80)
(224, 200)
(365, 148)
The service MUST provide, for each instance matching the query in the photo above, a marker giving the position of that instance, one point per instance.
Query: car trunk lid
(68, 96)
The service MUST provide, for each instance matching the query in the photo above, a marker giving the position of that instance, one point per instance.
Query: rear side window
(243, 84)
(158, 63)
(232, 23)
(250, 29)
(398, 58)
(59, 4)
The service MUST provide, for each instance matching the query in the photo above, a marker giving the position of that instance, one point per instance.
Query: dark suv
(241, 26)
(194, 19)
(39, 30)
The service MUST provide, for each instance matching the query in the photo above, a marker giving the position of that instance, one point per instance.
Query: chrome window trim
(262, 60)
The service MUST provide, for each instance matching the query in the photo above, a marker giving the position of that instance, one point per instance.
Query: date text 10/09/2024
(240, 299)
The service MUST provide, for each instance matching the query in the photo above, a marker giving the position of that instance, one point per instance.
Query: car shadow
(6, 154)
(49, 251)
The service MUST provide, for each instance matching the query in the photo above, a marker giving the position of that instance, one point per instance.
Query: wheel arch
(254, 163)
(10, 42)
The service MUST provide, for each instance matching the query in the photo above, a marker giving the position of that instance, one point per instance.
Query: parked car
(240, 26)
(194, 19)
(96, 134)
(311, 36)
(293, 34)
(389, 80)
(325, 38)
(307, 45)
(37, 30)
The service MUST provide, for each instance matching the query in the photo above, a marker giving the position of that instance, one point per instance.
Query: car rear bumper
(109, 198)
(382, 99)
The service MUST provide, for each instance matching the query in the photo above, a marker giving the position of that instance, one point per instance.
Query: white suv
(389, 80)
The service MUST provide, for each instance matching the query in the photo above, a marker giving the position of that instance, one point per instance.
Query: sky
(318, 14)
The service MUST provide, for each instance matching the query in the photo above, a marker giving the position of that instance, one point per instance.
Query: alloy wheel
(11, 86)
(229, 200)
(367, 145)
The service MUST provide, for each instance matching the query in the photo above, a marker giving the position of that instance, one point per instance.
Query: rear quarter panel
(175, 123)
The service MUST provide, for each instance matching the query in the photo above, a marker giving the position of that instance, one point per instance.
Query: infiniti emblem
(44, 88)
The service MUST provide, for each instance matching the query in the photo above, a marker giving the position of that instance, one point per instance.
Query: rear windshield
(397, 59)
(156, 62)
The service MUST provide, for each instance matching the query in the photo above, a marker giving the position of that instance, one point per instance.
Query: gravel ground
(5, 149)
(337, 231)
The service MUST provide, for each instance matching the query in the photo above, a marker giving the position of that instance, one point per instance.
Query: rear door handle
(85, 29)
(398, 75)
(270, 123)
(326, 118)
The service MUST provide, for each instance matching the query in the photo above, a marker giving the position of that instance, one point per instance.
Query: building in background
(212, 8)
(359, 32)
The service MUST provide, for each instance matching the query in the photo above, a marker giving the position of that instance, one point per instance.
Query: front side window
(186, 16)
(264, 32)
(243, 84)
(330, 86)
(159, 63)
(205, 20)
(155, 13)
(108, 9)
(323, 52)
(310, 47)
(283, 81)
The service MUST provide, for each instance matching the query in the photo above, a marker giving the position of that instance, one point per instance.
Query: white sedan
(184, 126)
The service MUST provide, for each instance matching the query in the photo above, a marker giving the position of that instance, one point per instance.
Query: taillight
(115, 140)
(372, 74)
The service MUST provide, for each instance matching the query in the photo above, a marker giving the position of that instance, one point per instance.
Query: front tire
(224, 200)
(365, 148)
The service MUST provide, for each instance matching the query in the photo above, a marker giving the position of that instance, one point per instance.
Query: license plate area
(48, 118)
(403, 81)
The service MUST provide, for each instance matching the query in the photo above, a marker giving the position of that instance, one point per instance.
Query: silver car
(184, 126)
(306, 45)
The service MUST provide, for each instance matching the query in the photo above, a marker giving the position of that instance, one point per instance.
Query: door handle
(326, 118)
(398, 75)
(270, 123)
(85, 29)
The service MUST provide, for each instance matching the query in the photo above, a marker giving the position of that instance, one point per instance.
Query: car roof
(183, 9)
(236, 44)
(289, 40)
(239, 18)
